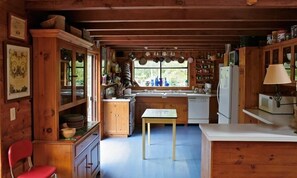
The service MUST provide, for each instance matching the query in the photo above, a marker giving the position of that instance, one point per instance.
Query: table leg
(143, 138)
(173, 139)
(149, 133)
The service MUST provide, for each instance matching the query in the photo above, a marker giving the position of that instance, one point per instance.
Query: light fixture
(276, 74)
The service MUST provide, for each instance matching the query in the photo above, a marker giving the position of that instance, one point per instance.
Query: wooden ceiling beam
(151, 4)
(169, 48)
(179, 32)
(168, 38)
(180, 25)
(182, 15)
(205, 43)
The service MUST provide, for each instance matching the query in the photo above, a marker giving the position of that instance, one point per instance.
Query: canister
(269, 39)
(274, 37)
(294, 31)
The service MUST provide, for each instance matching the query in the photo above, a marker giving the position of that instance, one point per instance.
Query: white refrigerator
(227, 94)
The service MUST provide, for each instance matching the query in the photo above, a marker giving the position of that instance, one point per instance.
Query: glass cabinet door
(267, 59)
(275, 56)
(294, 63)
(66, 69)
(287, 59)
(80, 75)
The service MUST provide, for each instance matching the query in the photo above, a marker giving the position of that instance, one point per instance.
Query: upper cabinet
(284, 52)
(59, 79)
(73, 75)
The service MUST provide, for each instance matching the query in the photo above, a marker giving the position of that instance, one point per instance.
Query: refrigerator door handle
(218, 92)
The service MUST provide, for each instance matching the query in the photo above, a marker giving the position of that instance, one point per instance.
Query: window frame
(160, 68)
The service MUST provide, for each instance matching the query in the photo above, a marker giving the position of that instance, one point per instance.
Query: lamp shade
(276, 74)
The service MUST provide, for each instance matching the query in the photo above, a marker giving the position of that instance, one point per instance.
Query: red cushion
(39, 172)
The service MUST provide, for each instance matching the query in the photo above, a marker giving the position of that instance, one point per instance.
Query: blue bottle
(156, 81)
(152, 82)
(161, 82)
(166, 83)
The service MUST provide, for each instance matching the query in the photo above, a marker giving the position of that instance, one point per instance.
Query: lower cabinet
(87, 162)
(116, 118)
(79, 159)
(178, 103)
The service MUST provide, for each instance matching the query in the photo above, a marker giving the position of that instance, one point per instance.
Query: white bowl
(68, 132)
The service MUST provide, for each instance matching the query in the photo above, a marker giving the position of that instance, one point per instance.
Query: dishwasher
(198, 110)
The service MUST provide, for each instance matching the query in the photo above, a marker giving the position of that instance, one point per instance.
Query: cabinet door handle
(88, 167)
(95, 133)
(90, 164)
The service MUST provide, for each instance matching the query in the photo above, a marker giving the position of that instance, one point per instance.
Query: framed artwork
(17, 71)
(17, 27)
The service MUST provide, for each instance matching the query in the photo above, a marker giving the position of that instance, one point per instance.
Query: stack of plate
(74, 120)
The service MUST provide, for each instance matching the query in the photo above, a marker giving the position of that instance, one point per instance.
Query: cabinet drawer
(87, 141)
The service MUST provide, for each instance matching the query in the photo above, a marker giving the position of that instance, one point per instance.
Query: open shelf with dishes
(204, 71)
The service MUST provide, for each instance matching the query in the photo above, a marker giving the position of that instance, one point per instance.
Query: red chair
(21, 150)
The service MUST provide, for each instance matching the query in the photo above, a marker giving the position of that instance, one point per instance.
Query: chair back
(18, 151)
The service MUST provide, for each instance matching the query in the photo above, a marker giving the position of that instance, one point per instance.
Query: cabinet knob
(49, 130)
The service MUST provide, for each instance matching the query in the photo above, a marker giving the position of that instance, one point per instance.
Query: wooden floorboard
(122, 157)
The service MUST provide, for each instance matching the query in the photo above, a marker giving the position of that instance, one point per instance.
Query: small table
(158, 116)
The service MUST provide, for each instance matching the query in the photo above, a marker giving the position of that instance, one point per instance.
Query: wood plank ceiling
(164, 24)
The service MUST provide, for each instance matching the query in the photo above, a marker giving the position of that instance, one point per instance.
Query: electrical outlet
(12, 114)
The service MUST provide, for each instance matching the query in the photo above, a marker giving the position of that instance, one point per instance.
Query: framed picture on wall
(17, 27)
(17, 71)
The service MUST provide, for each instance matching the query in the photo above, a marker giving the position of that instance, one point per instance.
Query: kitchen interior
(227, 68)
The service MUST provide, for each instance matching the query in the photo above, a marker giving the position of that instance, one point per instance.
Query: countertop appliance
(198, 112)
(267, 103)
(227, 94)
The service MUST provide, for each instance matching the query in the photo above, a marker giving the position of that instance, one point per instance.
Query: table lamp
(276, 74)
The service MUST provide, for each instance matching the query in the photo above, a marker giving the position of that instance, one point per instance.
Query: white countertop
(116, 100)
(248, 132)
(178, 94)
(267, 118)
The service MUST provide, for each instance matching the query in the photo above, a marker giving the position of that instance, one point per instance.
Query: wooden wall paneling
(178, 103)
(192, 74)
(254, 159)
(250, 68)
(213, 109)
(11, 131)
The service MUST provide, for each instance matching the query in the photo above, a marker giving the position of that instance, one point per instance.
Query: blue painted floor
(122, 157)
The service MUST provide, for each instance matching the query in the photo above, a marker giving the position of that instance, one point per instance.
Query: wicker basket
(74, 120)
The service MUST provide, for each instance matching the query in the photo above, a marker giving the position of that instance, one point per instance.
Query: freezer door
(225, 91)
(223, 119)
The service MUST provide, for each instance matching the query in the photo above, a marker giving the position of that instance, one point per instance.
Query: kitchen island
(248, 150)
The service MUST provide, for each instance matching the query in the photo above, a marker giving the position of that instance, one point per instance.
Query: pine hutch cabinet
(59, 84)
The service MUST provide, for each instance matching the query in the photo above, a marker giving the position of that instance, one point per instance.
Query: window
(172, 74)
